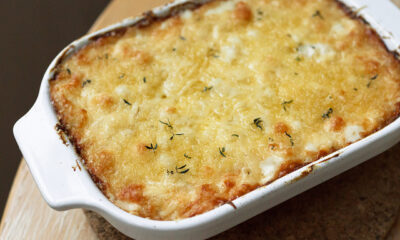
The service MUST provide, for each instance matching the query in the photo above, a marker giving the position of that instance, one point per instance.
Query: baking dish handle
(52, 164)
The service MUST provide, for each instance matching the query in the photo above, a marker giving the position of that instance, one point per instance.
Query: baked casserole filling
(178, 116)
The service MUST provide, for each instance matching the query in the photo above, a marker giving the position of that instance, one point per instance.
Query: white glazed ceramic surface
(51, 162)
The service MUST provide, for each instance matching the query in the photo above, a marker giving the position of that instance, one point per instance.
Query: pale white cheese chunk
(352, 133)
(269, 167)
(187, 14)
(223, 7)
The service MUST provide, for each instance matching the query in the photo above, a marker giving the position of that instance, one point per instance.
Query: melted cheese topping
(181, 116)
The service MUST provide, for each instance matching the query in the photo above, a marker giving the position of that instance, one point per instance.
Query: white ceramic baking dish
(51, 162)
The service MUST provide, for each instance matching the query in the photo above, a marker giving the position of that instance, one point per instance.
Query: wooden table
(27, 216)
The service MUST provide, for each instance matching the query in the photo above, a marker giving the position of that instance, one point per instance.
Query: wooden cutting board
(27, 216)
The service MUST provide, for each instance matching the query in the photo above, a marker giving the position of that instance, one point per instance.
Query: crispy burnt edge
(286, 167)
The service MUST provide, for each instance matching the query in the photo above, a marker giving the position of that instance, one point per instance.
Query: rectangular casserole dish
(50, 162)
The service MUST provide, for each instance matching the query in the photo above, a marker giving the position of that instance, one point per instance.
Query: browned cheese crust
(178, 116)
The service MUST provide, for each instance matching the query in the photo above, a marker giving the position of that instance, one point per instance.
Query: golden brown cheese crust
(178, 117)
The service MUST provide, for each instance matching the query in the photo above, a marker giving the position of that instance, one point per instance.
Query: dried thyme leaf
(222, 151)
(178, 169)
(86, 82)
(328, 113)
(168, 124)
(285, 103)
(258, 123)
(126, 101)
(372, 79)
(290, 138)
(184, 171)
(151, 147)
(207, 88)
(317, 14)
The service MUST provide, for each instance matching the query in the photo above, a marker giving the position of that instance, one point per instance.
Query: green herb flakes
(317, 14)
(86, 82)
(285, 103)
(126, 101)
(258, 122)
(371, 79)
(181, 169)
(168, 124)
(290, 138)
(205, 89)
(151, 147)
(328, 113)
(222, 151)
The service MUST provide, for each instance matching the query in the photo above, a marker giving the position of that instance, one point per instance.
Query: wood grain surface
(26, 215)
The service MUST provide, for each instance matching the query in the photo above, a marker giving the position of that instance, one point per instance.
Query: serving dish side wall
(51, 162)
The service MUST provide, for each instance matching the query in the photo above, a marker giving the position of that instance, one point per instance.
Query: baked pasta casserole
(175, 116)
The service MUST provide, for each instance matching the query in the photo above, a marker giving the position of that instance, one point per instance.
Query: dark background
(32, 33)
